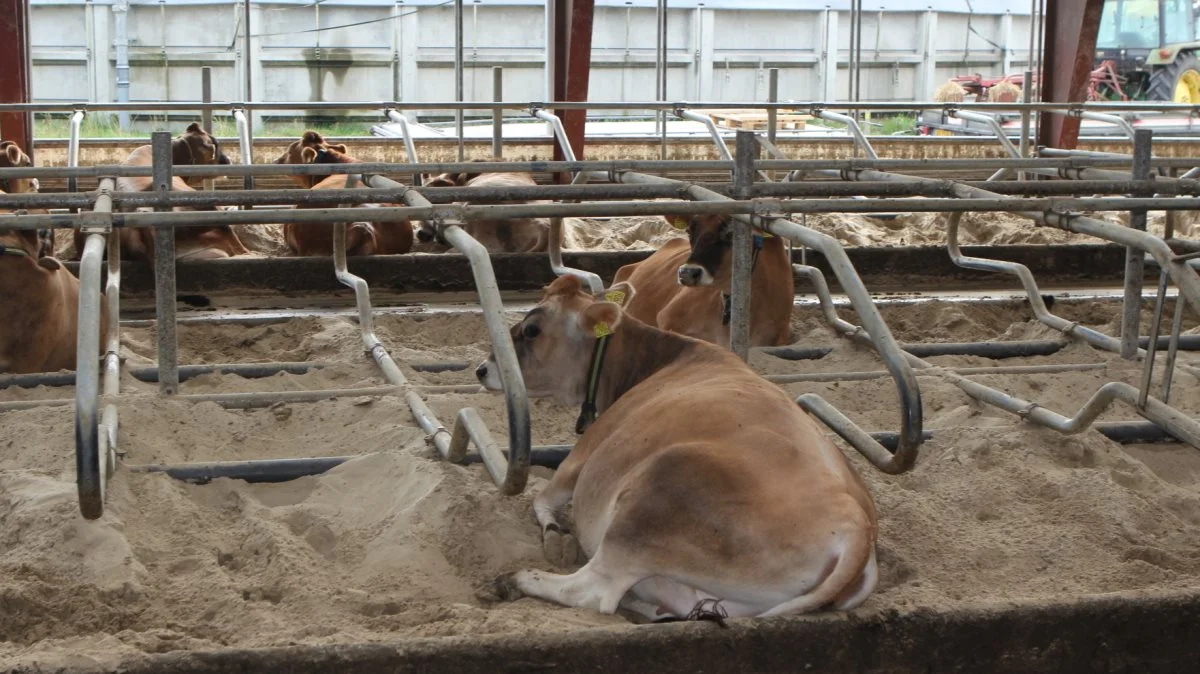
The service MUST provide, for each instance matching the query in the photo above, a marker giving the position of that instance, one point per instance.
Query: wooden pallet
(756, 120)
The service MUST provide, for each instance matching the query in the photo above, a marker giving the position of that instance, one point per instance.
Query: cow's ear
(194, 128)
(49, 263)
(14, 153)
(563, 285)
(308, 155)
(619, 294)
(600, 319)
(340, 147)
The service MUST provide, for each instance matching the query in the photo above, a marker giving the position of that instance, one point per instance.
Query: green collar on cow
(587, 412)
(727, 312)
(9, 250)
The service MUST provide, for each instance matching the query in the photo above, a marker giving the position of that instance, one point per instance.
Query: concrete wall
(717, 50)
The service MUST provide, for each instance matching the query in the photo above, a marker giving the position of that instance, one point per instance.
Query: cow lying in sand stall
(699, 485)
(362, 238)
(12, 156)
(194, 147)
(294, 154)
(519, 235)
(684, 286)
(41, 305)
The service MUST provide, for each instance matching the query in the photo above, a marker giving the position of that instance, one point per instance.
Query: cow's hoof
(561, 549)
(502, 588)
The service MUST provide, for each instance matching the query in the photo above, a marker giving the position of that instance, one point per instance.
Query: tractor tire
(1176, 79)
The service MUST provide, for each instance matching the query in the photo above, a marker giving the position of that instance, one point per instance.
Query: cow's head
(197, 146)
(294, 154)
(711, 259)
(12, 156)
(554, 341)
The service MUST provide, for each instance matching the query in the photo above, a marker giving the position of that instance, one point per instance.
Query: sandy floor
(394, 543)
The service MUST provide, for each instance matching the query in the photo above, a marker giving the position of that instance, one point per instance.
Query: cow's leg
(598, 586)
(559, 545)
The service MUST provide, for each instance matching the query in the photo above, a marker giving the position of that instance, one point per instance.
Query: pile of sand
(394, 543)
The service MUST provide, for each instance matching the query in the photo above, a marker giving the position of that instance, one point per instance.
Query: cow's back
(707, 411)
(42, 317)
(656, 279)
(514, 235)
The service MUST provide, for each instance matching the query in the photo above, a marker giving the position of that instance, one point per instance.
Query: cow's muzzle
(694, 275)
(489, 375)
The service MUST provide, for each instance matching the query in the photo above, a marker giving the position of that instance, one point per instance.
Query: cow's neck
(634, 353)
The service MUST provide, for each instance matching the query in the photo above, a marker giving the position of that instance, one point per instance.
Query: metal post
(743, 244)
(164, 272)
(249, 60)
(497, 114)
(1131, 316)
(458, 75)
(73, 150)
(772, 97)
(1026, 116)
(206, 115)
(660, 74)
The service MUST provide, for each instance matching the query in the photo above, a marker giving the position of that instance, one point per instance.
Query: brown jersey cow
(41, 308)
(519, 235)
(362, 238)
(194, 147)
(684, 286)
(700, 484)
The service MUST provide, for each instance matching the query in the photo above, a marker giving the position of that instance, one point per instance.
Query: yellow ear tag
(679, 223)
(616, 297)
(602, 329)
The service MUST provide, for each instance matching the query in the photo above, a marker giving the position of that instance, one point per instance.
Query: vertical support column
(707, 47)
(249, 60)
(120, 10)
(409, 33)
(206, 116)
(1071, 30)
(743, 247)
(15, 86)
(164, 272)
(1006, 27)
(572, 69)
(927, 81)
(497, 114)
(458, 75)
(829, 57)
(1131, 316)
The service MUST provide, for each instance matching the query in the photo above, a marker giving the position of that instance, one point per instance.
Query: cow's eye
(530, 331)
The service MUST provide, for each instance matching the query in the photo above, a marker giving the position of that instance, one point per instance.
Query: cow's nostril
(690, 275)
(481, 371)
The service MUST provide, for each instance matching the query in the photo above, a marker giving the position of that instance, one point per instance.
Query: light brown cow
(194, 147)
(684, 286)
(41, 305)
(12, 156)
(362, 238)
(699, 488)
(294, 155)
(520, 235)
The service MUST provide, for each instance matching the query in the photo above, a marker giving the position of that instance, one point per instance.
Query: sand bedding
(395, 543)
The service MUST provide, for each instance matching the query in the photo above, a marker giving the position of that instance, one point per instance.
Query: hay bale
(1004, 91)
(950, 92)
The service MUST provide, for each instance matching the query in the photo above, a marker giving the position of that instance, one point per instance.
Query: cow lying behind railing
(700, 489)
(518, 235)
(684, 287)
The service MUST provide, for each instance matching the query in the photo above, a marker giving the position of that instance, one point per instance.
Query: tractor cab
(1150, 47)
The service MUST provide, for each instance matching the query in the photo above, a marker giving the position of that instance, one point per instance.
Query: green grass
(877, 125)
(102, 125)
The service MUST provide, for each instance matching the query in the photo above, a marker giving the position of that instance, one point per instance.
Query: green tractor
(1152, 48)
